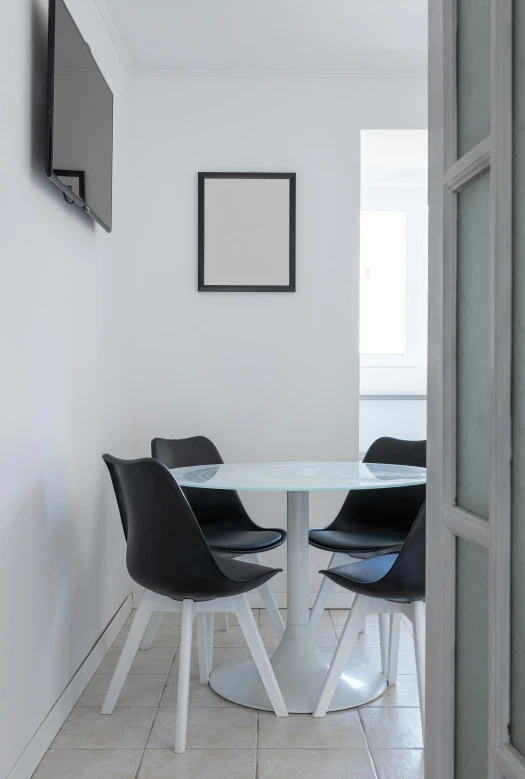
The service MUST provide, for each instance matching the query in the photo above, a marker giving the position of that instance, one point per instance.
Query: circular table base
(300, 669)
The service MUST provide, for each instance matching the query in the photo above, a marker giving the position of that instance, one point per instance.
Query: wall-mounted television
(79, 120)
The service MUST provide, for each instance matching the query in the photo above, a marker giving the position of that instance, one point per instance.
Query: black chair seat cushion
(241, 572)
(239, 541)
(358, 539)
(371, 577)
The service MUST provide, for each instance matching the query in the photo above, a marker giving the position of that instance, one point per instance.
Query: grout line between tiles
(139, 767)
(374, 767)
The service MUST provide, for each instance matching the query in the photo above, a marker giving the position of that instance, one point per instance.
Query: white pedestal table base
(300, 669)
(299, 666)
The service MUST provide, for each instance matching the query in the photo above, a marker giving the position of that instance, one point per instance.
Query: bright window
(394, 261)
(383, 288)
(393, 289)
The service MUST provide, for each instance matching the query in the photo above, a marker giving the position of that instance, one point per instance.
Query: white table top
(299, 476)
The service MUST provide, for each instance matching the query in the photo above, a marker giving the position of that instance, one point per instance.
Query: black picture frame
(202, 286)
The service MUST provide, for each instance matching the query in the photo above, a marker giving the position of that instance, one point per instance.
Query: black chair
(168, 555)
(371, 522)
(224, 521)
(391, 584)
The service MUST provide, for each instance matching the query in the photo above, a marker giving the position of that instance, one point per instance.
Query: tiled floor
(378, 741)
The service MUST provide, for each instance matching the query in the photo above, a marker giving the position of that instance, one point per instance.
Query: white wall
(392, 417)
(266, 376)
(64, 401)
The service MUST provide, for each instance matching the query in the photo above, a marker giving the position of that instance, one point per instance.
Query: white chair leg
(259, 654)
(181, 721)
(383, 641)
(346, 643)
(225, 625)
(324, 591)
(129, 650)
(418, 622)
(202, 644)
(151, 630)
(393, 648)
(268, 600)
(210, 627)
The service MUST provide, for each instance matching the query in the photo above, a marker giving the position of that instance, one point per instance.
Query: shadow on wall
(37, 111)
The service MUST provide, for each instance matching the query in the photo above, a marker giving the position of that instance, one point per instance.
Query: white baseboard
(28, 761)
(337, 600)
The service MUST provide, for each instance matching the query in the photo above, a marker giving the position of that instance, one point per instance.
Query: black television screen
(80, 119)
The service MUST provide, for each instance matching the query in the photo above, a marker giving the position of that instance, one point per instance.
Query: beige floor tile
(208, 728)
(156, 660)
(302, 731)
(89, 764)
(325, 618)
(264, 619)
(372, 655)
(404, 694)
(144, 690)
(371, 636)
(399, 763)
(232, 619)
(198, 764)
(201, 695)
(392, 728)
(88, 729)
(234, 637)
(168, 635)
(220, 655)
(325, 637)
(314, 764)
(338, 616)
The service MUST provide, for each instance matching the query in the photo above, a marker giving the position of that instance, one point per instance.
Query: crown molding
(115, 36)
(372, 73)
(155, 72)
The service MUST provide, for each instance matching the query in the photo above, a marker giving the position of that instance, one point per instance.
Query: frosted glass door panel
(473, 340)
(517, 686)
(473, 73)
(471, 723)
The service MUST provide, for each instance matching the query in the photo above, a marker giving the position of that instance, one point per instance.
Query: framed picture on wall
(246, 240)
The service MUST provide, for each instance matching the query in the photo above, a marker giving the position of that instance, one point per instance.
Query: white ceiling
(346, 36)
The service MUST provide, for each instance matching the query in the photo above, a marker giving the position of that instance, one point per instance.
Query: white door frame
(446, 521)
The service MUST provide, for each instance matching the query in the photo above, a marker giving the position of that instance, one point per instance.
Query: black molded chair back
(209, 506)
(392, 508)
(395, 577)
(166, 549)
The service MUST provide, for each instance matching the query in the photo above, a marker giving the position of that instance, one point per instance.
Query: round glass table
(300, 667)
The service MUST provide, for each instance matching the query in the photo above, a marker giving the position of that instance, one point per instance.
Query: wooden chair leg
(259, 654)
(210, 627)
(129, 650)
(183, 692)
(151, 630)
(383, 641)
(203, 644)
(393, 648)
(418, 622)
(345, 646)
